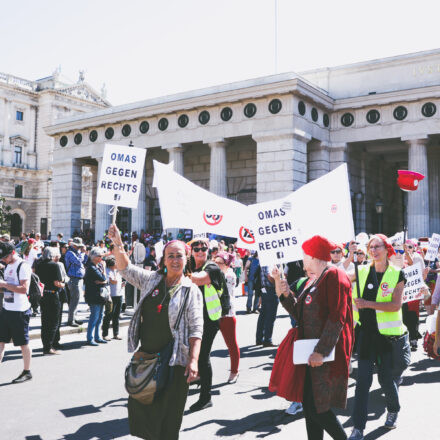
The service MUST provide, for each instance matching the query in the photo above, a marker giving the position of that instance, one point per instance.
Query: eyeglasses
(399, 251)
(373, 248)
(337, 251)
(219, 263)
(410, 247)
(359, 253)
(197, 249)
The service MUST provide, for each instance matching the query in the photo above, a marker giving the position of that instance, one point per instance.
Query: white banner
(414, 282)
(276, 229)
(397, 239)
(121, 176)
(434, 244)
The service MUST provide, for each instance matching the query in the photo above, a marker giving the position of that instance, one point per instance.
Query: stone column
(138, 215)
(6, 154)
(434, 188)
(102, 217)
(175, 152)
(218, 183)
(318, 160)
(418, 201)
(281, 162)
(338, 155)
(66, 197)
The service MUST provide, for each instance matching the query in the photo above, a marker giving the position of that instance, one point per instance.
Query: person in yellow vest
(378, 310)
(211, 281)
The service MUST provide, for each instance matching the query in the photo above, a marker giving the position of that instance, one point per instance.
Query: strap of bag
(182, 309)
(18, 272)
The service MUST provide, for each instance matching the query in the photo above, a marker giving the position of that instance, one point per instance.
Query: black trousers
(112, 316)
(50, 318)
(210, 329)
(317, 423)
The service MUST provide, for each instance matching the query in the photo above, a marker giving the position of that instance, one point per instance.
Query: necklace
(173, 282)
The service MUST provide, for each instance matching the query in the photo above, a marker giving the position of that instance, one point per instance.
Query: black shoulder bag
(147, 375)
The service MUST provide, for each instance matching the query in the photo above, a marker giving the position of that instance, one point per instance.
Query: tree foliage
(5, 216)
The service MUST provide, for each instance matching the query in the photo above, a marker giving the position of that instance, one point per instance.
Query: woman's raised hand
(114, 235)
(276, 274)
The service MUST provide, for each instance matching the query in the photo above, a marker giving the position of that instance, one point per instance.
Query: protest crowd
(349, 297)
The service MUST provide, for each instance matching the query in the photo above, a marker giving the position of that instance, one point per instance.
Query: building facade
(260, 139)
(26, 151)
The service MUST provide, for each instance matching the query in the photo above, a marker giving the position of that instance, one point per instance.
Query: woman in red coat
(324, 311)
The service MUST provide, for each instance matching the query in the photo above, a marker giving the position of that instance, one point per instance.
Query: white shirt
(31, 257)
(114, 275)
(350, 269)
(16, 302)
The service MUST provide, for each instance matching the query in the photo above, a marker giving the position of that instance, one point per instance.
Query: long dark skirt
(162, 419)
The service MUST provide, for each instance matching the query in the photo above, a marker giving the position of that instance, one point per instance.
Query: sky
(147, 48)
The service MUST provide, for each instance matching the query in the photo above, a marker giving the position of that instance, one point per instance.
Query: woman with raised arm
(154, 327)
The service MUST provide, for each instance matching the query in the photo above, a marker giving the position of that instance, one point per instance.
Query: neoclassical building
(26, 151)
(260, 139)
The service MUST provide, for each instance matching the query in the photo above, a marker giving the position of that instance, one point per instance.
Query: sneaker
(200, 404)
(24, 376)
(391, 420)
(356, 434)
(294, 408)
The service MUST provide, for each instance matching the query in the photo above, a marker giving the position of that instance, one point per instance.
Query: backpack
(36, 287)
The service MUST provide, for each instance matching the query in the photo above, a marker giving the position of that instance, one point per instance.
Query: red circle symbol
(384, 286)
(308, 299)
(212, 219)
(246, 235)
(334, 208)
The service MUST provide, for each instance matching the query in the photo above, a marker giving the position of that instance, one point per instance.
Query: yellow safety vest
(212, 299)
(389, 323)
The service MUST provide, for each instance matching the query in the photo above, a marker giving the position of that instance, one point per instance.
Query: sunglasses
(399, 251)
(410, 247)
(337, 251)
(198, 249)
(359, 253)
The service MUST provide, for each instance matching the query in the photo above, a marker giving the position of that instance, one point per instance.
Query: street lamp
(379, 211)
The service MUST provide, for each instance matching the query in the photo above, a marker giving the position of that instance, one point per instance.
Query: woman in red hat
(323, 310)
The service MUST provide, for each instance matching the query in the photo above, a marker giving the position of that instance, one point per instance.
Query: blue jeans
(249, 298)
(363, 384)
(96, 313)
(266, 319)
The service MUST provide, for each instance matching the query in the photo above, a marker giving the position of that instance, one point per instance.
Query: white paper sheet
(303, 348)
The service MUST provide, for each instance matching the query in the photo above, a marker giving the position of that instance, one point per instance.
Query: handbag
(147, 374)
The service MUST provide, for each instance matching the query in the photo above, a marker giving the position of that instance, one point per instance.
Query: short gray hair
(49, 253)
(95, 252)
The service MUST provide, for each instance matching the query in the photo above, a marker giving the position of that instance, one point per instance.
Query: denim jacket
(74, 262)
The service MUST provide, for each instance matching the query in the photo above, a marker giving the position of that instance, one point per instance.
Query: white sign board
(434, 244)
(303, 349)
(159, 250)
(121, 176)
(397, 239)
(414, 282)
(276, 234)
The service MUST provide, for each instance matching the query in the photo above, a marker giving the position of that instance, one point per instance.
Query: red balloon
(409, 180)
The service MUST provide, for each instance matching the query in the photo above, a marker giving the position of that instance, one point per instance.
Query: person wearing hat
(95, 289)
(216, 303)
(378, 310)
(323, 311)
(75, 260)
(16, 312)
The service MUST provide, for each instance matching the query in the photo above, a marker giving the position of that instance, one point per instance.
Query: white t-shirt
(33, 255)
(16, 302)
(114, 275)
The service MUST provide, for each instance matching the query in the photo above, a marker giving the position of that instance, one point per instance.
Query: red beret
(318, 247)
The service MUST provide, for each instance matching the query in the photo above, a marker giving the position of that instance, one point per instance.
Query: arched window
(16, 225)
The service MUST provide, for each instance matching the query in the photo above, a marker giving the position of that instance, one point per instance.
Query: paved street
(79, 395)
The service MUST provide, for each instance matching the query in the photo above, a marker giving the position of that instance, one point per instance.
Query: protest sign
(158, 247)
(434, 244)
(121, 176)
(397, 239)
(275, 232)
(414, 282)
